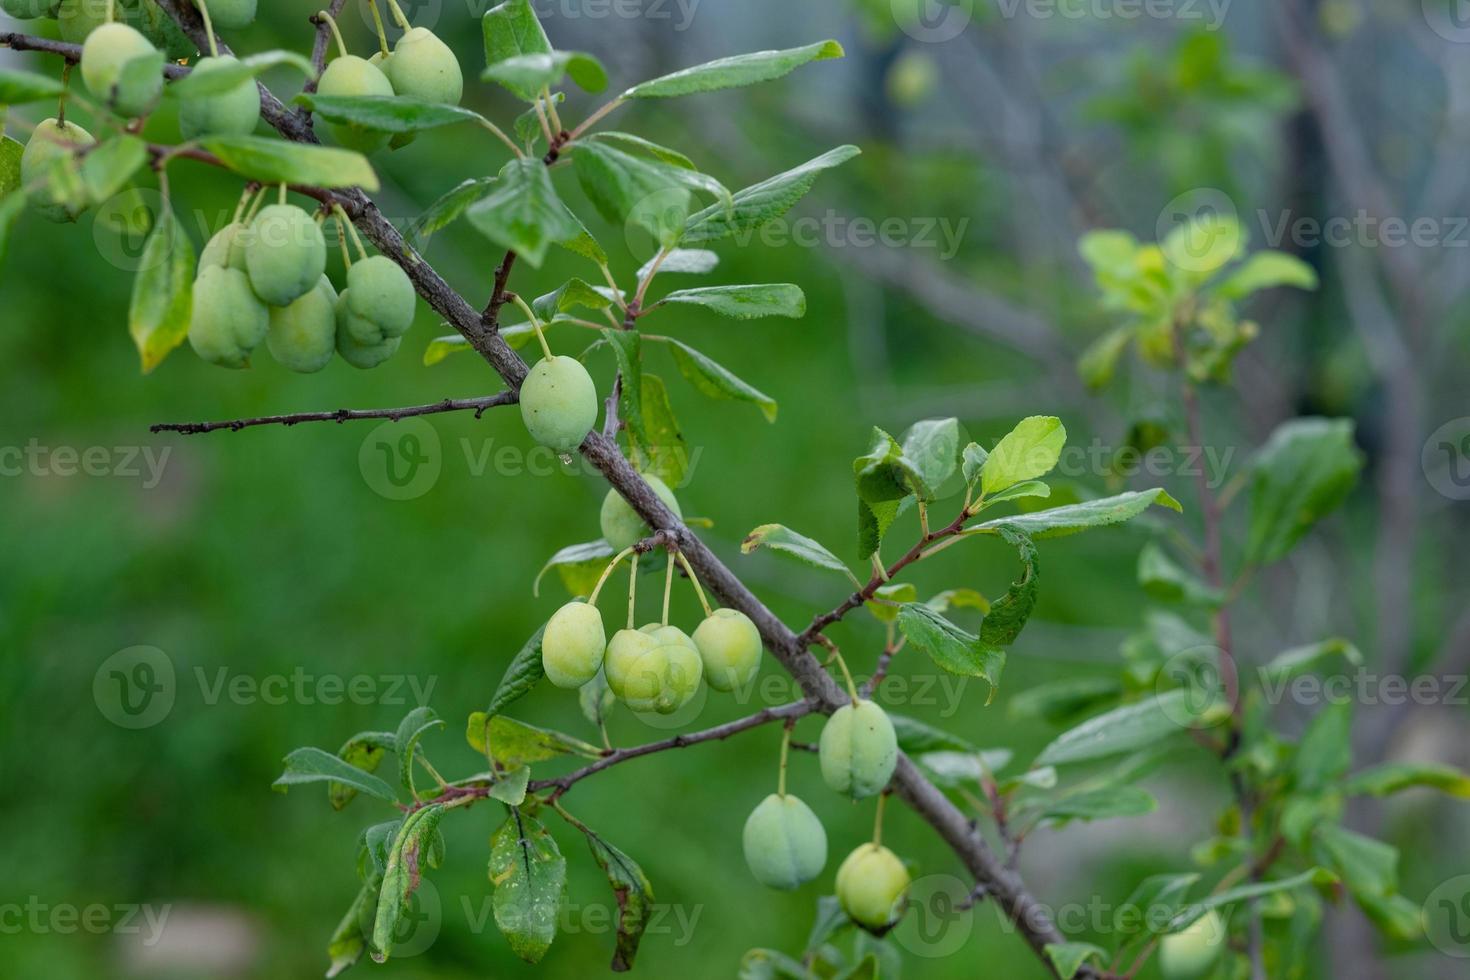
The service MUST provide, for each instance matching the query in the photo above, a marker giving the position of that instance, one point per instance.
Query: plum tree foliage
(264, 277)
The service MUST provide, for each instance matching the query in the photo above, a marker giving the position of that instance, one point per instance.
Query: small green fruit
(79, 18)
(659, 674)
(382, 303)
(422, 67)
(559, 403)
(1191, 953)
(232, 14)
(50, 142)
(730, 646)
(573, 644)
(229, 320)
(108, 50)
(226, 248)
(360, 355)
(285, 254)
(29, 9)
(231, 113)
(872, 885)
(785, 845)
(858, 750)
(303, 335)
(621, 525)
(354, 76)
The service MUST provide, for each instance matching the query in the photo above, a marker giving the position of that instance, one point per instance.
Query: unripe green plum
(108, 50)
(353, 76)
(573, 644)
(231, 14)
(50, 142)
(382, 303)
(285, 254)
(624, 651)
(229, 320)
(226, 247)
(303, 336)
(231, 113)
(362, 356)
(730, 646)
(621, 525)
(660, 675)
(872, 885)
(559, 403)
(858, 750)
(1191, 953)
(422, 67)
(29, 9)
(79, 18)
(785, 844)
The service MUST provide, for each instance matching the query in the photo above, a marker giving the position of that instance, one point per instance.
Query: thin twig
(476, 405)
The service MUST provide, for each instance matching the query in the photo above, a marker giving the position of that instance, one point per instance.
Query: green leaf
(385, 113)
(665, 453)
(273, 161)
(163, 293)
(403, 873)
(530, 878)
(641, 190)
(1200, 247)
(950, 647)
(1161, 577)
(579, 566)
(1067, 958)
(514, 743)
(596, 700)
(582, 243)
(918, 738)
(628, 349)
(1191, 914)
(513, 28)
(1304, 471)
(741, 70)
(1062, 701)
(1031, 488)
(20, 87)
(744, 302)
(783, 540)
(522, 212)
(415, 725)
(1394, 915)
(1394, 777)
(1101, 804)
(972, 462)
(1266, 270)
(525, 75)
(441, 347)
(770, 964)
(349, 940)
(1008, 614)
(1126, 729)
(932, 449)
(1060, 521)
(1304, 659)
(884, 477)
(446, 209)
(752, 207)
(713, 380)
(1366, 865)
(1326, 751)
(10, 153)
(690, 261)
(1027, 452)
(510, 788)
(571, 294)
(522, 674)
(108, 167)
(528, 124)
(631, 890)
(364, 751)
(226, 75)
(645, 146)
(1099, 361)
(312, 765)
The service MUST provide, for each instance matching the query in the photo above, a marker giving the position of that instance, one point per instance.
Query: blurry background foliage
(266, 552)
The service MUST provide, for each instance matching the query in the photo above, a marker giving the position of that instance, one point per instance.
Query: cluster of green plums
(265, 280)
(420, 66)
(786, 845)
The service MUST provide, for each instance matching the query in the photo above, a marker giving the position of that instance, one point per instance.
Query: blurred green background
(268, 553)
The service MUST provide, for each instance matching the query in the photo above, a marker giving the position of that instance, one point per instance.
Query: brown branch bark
(476, 405)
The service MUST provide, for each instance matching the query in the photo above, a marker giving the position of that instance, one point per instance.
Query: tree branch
(477, 405)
